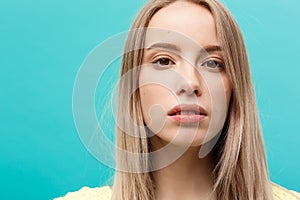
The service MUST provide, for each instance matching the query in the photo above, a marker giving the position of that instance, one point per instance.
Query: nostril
(189, 92)
(197, 92)
(189, 88)
(182, 91)
(192, 92)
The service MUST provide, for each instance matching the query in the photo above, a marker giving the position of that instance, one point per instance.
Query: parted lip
(187, 108)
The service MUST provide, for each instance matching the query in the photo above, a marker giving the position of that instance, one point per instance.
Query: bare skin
(188, 177)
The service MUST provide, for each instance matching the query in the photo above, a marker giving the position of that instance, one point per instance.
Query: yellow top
(104, 193)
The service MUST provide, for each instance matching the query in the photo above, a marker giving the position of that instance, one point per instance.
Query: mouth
(187, 113)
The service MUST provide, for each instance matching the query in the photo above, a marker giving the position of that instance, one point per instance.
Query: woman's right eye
(164, 62)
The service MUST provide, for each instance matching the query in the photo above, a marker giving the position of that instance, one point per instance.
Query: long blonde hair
(240, 169)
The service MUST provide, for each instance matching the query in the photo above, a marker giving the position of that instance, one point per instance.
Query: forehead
(185, 18)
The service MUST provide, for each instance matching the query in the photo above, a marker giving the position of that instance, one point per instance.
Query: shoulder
(281, 193)
(104, 193)
(99, 193)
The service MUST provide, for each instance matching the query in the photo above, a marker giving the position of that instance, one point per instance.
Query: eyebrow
(211, 48)
(172, 47)
(165, 46)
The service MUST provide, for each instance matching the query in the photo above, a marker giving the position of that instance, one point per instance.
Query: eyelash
(162, 58)
(217, 65)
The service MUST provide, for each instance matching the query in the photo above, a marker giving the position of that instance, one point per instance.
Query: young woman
(188, 127)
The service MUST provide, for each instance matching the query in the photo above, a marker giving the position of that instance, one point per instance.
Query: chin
(188, 137)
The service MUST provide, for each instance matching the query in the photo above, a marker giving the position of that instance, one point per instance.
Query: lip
(199, 115)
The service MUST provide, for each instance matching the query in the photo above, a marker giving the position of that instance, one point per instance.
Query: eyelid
(164, 52)
(162, 55)
(214, 58)
(218, 60)
(156, 58)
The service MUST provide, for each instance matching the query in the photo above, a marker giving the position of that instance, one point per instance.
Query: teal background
(42, 45)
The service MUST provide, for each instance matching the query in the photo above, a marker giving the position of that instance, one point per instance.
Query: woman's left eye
(213, 64)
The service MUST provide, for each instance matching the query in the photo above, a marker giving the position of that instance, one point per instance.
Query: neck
(187, 178)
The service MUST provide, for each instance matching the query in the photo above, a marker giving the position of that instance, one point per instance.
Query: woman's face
(184, 89)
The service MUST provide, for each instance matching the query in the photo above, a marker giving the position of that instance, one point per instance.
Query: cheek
(153, 99)
(219, 89)
(148, 95)
(146, 100)
(227, 87)
(220, 96)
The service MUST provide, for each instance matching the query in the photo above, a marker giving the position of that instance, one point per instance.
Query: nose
(189, 83)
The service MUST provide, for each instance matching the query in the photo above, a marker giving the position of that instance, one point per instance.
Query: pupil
(212, 64)
(164, 61)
